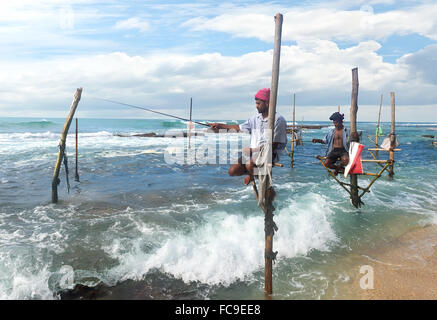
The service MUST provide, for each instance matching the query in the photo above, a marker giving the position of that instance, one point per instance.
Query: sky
(159, 54)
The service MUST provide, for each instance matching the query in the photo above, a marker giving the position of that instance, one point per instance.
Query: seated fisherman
(256, 126)
(337, 140)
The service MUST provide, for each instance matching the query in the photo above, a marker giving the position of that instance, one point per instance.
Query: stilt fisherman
(337, 140)
(256, 126)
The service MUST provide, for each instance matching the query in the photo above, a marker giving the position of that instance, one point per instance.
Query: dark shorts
(337, 153)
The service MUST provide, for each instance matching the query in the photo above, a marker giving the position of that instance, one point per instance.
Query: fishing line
(150, 110)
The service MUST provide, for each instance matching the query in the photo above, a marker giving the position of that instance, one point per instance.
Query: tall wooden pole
(62, 143)
(338, 109)
(76, 176)
(377, 127)
(190, 123)
(293, 139)
(392, 134)
(354, 134)
(269, 225)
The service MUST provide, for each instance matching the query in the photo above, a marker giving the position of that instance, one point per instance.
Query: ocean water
(150, 229)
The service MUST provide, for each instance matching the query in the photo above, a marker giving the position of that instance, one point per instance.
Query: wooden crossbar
(387, 165)
(376, 177)
(376, 161)
(332, 175)
(380, 149)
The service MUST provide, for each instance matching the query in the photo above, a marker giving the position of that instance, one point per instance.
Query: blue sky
(161, 53)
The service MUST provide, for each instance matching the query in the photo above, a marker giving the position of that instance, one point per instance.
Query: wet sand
(405, 269)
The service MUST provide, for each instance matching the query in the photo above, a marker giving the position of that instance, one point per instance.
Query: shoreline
(404, 269)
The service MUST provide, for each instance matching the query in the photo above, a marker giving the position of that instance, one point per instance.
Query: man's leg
(240, 169)
(330, 163)
(237, 170)
(249, 167)
(344, 161)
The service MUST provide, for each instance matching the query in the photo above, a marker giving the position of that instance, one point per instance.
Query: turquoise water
(151, 229)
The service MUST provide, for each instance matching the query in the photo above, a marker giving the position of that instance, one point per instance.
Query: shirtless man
(337, 140)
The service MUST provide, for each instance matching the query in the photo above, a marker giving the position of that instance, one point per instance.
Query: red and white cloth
(354, 166)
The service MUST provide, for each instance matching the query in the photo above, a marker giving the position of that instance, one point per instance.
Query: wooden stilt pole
(269, 225)
(62, 143)
(392, 135)
(76, 176)
(293, 139)
(189, 127)
(338, 109)
(377, 128)
(354, 135)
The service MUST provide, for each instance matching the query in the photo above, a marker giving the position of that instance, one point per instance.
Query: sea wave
(213, 253)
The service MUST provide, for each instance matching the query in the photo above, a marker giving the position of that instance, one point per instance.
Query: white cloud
(423, 64)
(40, 28)
(132, 23)
(221, 86)
(323, 23)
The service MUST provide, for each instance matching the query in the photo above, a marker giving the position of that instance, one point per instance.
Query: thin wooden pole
(269, 228)
(189, 126)
(381, 149)
(76, 176)
(293, 139)
(377, 127)
(354, 136)
(392, 135)
(62, 143)
(338, 109)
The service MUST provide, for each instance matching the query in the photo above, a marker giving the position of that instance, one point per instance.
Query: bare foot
(247, 180)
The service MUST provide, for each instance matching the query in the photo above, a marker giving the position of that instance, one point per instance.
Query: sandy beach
(405, 269)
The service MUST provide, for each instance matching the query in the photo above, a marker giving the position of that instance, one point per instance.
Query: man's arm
(218, 126)
(319, 141)
(328, 136)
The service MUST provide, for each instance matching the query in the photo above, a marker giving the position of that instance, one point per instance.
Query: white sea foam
(28, 286)
(304, 226)
(416, 124)
(230, 247)
(21, 279)
(29, 135)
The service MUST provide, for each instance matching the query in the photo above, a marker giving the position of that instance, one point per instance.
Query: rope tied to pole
(271, 255)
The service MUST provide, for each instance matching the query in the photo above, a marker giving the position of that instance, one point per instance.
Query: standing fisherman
(337, 140)
(256, 126)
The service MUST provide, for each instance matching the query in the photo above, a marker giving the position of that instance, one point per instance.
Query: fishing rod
(150, 110)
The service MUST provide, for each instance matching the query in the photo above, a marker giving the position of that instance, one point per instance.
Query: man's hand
(318, 141)
(215, 126)
(247, 151)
